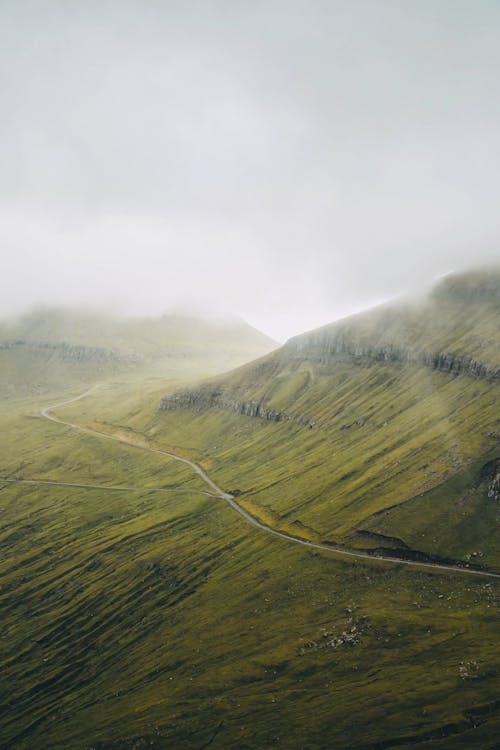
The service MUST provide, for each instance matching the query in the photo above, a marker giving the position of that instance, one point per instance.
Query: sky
(288, 161)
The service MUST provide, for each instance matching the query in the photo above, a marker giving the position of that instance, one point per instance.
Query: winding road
(46, 412)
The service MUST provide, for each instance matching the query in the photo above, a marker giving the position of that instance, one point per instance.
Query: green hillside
(380, 430)
(51, 348)
(140, 612)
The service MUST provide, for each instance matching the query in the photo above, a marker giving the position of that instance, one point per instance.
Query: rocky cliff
(219, 398)
(491, 473)
(327, 347)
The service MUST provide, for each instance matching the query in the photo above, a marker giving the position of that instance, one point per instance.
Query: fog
(289, 162)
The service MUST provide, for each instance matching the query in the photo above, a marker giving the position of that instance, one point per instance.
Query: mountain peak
(469, 286)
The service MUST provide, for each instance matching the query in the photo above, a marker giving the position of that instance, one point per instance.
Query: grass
(420, 432)
(134, 620)
(140, 619)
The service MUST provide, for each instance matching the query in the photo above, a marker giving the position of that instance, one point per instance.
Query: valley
(250, 375)
(47, 413)
(299, 553)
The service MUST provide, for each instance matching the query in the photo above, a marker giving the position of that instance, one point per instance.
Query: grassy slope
(133, 620)
(396, 449)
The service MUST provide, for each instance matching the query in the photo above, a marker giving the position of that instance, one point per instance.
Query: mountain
(380, 431)
(146, 607)
(52, 347)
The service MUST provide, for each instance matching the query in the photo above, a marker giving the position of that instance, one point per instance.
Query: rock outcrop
(494, 487)
(208, 398)
(72, 352)
(491, 473)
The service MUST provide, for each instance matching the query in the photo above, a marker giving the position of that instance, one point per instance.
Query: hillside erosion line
(46, 412)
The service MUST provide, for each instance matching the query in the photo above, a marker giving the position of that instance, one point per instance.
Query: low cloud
(289, 162)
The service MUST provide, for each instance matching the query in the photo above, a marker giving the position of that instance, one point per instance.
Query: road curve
(46, 413)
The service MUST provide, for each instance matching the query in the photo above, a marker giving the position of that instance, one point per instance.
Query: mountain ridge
(378, 335)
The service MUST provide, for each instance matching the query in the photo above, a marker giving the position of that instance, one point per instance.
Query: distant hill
(51, 347)
(380, 430)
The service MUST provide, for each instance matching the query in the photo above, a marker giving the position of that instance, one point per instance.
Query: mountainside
(455, 330)
(51, 348)
(384, 428)
(325, 575)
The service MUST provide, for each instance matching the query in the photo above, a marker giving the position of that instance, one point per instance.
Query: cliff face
(491, 472)
(327, 347)
(207, 398)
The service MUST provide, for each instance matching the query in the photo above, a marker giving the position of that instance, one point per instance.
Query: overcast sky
(289, 161)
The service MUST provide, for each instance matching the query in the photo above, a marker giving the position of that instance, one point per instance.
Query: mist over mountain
(245, 156)
(210, 539)
(451, 325)
(53, 347)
